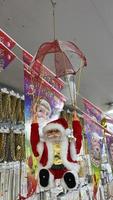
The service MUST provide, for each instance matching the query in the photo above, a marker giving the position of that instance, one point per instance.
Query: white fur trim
(52, 126)
(50, 154)
(68, 131)
(40, 148)
(67, 164)
(51, 181)
(73, 149)
(64, 150)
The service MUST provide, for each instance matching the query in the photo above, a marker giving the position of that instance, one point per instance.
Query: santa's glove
(77, 132)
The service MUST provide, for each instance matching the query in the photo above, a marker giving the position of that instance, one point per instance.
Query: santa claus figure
(57, 154)
(96, 149)
(43, 110)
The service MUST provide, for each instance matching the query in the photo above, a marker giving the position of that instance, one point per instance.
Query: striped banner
(6, 40)
(94, 136)
(6, 57)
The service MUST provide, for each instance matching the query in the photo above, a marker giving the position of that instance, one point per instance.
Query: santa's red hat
(59, 124)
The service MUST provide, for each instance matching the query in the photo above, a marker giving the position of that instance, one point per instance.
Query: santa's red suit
(68, 167)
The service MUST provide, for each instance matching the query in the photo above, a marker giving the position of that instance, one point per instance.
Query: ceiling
(88, 23)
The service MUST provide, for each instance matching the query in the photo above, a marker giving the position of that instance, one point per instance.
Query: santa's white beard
(53, 139)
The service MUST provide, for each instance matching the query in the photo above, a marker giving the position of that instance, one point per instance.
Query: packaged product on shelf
(9, 147)
(19, 140)
(2, 144)
(0, 106)
(6, 105)
(2, 175)
(16, 180)
(13, 105)
(23, 179)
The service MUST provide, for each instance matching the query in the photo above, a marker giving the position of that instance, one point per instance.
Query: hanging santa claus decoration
(57, 154)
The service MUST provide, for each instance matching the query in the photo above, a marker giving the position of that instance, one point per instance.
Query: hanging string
(54, 31)
(79, 78)
(74, 91)
(73, 96)
(69, 87)
(67, 79)
(54, 27)
(42, 69)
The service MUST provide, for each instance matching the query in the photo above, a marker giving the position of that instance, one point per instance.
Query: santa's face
(43, 113)
(54, 135)
(96, 151)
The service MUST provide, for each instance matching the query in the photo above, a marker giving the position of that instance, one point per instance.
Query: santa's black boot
(44, 177)
(69, 180)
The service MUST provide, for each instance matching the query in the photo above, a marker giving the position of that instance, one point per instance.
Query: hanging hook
(53, 2)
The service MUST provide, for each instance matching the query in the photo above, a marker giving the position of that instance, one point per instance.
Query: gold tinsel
(9, 148)
(13, 108)
(1, 106)
(20, 146)
(22, 110)
(2, 146)
(6, 106)
(12, 145)
(18, 113)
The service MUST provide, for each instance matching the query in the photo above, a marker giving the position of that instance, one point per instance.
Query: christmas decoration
(56, 153)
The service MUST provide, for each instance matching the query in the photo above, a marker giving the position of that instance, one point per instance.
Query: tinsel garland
(1, 116)
(2, 146)
(13, 107)
(19, 146)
